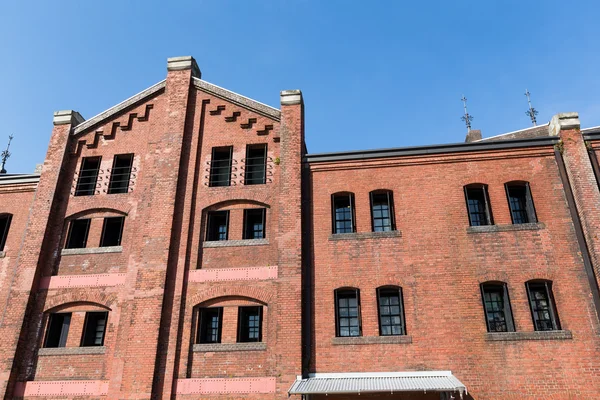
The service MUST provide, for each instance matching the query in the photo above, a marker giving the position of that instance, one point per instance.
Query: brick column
(290, 238)
(24, 272)
(583, 185)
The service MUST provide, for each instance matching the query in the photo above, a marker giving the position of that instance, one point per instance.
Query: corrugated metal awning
(374, 382)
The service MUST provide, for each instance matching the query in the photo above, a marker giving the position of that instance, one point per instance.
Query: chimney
(473, 135)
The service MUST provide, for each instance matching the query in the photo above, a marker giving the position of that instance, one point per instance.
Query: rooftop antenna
(532, 112)
(466, 118)
(5, 155)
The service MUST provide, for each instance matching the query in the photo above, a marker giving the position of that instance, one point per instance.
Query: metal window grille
(220, 166)
(57, 330)
(478, 205)
(347, 306)
(496, 304)
(520, 202)
(382, 211)
(217, 226)
(94, 329)
(112, 231)
(343, 213)
(5, 221)
(256, 165)
(78, 233)
(391, 312)
(211, 320)
(250, 324)
(120, 174)
(543, 309)
(254, 223)
(88, 176)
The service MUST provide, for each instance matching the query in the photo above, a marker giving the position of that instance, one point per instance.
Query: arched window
(390, 306)
(382, 211)
(496, 305)
(347, 312)
(478, 204)
(5, 220)
(94, 324)
(342, 213)
(520, 202)
(542, 305)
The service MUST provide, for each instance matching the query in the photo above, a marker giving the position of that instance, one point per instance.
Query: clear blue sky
(374, 74)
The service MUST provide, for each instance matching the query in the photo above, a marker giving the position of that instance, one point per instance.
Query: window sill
(537, 335)
(364, 235)
(92, 250)
(229, 347)
(2, 254)
(400, 339)
(236, 243)
(71, 351)
(505, 228)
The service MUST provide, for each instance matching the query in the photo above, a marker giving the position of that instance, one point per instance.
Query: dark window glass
(543, 309)
(120, 174)
(220, 166)
(4, 227)
(210, 322)
(254, 223)
(88, 176)
(478, 205)
(496, 304)
(112, 231)
(250, 324)
(391, 312)
(78, 234)
(94, 329)
(58, 330)
(256, 164)
(343, 213)
(217, 226)
(347, 306)
(520, 202)
(382, 212)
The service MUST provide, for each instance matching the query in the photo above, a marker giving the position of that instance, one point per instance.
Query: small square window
(478, 205)
(94, 329)
(347, 308)
(58, 330)
(391, 311)
(256, 164)
(220, 166)
(520, 202)
(217, 225)
(112, 231)
(209, 327)
(88, 176)
(543, 308)
(120, 174)
(254, 223)
(250, 324)
(343, 213)
(78, 234)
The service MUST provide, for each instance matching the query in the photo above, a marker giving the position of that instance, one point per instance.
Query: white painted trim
(237, 94)
(404, 374)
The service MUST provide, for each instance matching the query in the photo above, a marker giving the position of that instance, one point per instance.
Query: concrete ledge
(506, 228)
(183, 63)
(2, 254)
(401, 339)
(291, 97)
(66, 117)
(364, 235)
(236, 243)
(228, 347)
(563, 121)
(537, 335)
(71, 351)
(92, 250)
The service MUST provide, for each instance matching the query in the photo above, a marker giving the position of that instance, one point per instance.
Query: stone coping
(359, 340)
(71, 351)
(506, 228)
(92, 250)
(537, 335)
(364, 235)
(229, 347)
(236, 243)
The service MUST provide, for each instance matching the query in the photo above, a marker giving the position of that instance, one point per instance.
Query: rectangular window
(78, 234)
(382, 212)
(521, 203)
(220, 166)
(543, 309)
(112, 231)
(94, 329)
(478, 205)
(496, 304)
(210, 323)
(250, 324)
(58, 330)
(120, 174)
(343, 213)
(88, 176)
(391, 312)
(256, 164)
(4, 228)
(217, 225)
(347, 307)
(254, 223)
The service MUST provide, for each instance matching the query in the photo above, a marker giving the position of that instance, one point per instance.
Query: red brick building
(183, 244)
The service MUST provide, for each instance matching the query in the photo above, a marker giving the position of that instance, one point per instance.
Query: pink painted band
(226, 385)
(70, 281)
(233, 274)
(61, 388)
